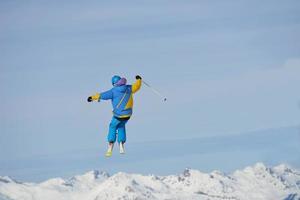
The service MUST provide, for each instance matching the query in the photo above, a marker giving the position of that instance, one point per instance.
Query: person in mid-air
(121, 96)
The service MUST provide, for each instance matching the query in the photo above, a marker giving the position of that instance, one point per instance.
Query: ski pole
(155, 91)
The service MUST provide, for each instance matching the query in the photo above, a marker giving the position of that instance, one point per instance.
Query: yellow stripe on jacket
(134, 88)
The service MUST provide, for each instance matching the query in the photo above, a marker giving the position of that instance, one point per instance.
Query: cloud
(258, 80)
(292, 64)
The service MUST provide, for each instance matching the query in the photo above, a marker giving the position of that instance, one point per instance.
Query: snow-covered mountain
(252, 183)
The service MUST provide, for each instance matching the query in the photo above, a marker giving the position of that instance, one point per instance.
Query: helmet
(115, 79)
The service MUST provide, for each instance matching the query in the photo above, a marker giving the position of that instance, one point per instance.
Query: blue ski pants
(117, 126)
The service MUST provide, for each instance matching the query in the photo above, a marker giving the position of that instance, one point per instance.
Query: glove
(138, 77)
(89, 99)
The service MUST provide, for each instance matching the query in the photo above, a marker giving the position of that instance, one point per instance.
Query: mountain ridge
(254, 182)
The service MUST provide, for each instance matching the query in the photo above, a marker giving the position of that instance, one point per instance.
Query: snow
(256, 182)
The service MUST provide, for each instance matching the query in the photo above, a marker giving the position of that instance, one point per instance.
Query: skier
(121, 96)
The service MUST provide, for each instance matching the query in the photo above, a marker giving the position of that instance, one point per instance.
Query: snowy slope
(254, 183)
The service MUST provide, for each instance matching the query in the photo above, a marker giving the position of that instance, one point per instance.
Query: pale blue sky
(225, 66)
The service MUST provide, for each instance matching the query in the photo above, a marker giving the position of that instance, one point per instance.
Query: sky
(226, 67)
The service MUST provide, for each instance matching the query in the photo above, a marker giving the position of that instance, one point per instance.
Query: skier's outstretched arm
(98, 96)
(137, 85)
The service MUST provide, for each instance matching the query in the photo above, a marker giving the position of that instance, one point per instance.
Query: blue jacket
(121, 98)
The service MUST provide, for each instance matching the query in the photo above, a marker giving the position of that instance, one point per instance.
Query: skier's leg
(122, 136)
(111, 137)
(113, 126)
(122, 132)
